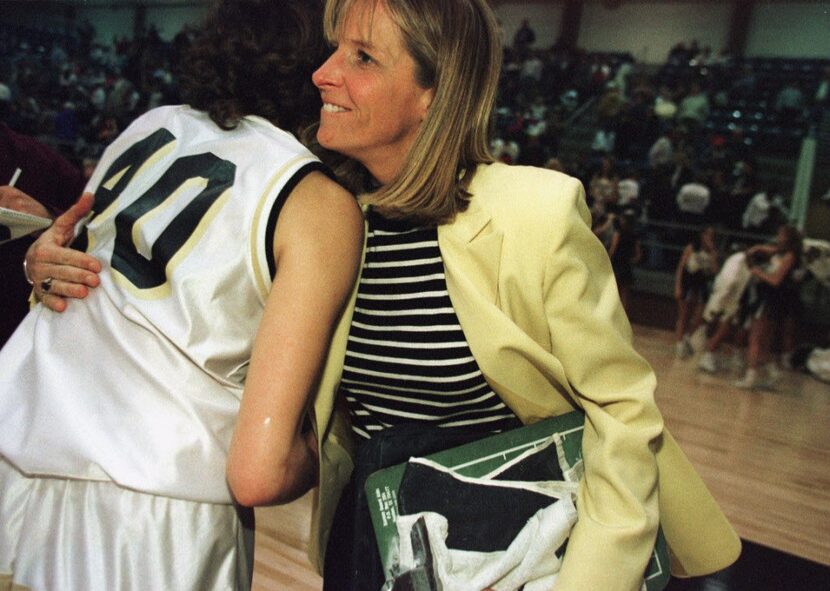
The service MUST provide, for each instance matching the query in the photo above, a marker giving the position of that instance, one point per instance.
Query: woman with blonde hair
(484, 298)
(484, 301)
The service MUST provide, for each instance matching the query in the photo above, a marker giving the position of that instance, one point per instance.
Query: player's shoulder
(318, 193)
(320, 209)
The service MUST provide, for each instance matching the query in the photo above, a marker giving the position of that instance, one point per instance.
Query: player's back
(140, 382)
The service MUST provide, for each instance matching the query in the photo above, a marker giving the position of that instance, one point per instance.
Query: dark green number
(147, 273)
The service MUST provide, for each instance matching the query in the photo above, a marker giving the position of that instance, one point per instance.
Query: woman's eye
(364, 58)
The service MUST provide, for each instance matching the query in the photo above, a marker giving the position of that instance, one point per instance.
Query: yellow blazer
(536, 298)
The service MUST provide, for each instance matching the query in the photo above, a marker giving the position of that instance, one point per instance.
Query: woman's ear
(427, 96)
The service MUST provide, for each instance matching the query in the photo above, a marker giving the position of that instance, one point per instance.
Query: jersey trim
(271, 225)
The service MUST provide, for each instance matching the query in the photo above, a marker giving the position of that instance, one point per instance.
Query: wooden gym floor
(765, 455)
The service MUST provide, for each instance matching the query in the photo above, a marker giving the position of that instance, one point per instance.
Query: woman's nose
(327, 73)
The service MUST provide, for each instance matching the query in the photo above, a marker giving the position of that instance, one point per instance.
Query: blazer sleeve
(617, 507)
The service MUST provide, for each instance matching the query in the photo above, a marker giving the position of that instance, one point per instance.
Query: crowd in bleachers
(675, 144)
(696, 123)
(76, 94)
(689, 132)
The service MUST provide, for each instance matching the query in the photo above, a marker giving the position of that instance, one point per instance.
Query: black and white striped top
(407, 358)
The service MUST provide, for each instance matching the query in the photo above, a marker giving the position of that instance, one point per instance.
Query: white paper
(14, 224)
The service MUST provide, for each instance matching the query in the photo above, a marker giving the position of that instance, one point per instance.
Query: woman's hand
(57, 272)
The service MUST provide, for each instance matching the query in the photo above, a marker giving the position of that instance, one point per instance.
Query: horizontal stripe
(412, 327)
(399, 280)
(412, 287)
(410, 344)
(405, 246)
(434, 403)
(407, 312)
(404, 296)
(479, 421)
(464, 417)
(396, 264)
(411, 361)
(407, 359)
(414, 378)
(424, 393)
(396, 370)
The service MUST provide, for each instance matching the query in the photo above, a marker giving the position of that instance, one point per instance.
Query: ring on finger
(46, 285)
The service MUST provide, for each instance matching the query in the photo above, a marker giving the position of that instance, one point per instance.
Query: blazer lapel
(520, 370)
(471, 248)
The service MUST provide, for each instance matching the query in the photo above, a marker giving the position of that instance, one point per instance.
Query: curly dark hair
(256, 57)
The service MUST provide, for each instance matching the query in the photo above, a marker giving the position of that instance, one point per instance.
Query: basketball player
(117, 415)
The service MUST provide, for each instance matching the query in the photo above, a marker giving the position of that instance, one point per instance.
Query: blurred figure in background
(773, 267)
(697, 266)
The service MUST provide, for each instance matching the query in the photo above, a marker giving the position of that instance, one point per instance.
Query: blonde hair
(457, 49)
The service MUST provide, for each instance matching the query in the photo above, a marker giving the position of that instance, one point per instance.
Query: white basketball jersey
(140, 382)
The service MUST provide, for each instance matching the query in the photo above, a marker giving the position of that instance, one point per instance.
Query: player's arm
(777, 277)
(318, 244)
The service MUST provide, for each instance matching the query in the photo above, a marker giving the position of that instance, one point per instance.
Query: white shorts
(65, 535)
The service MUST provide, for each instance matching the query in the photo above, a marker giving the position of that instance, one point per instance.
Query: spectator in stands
(693, 200)
(533, 153)
(790, 103)
(693, 110)
(744, 84)
(697, 266)
(531, 73)
(637, 129)
(525, 37)
(742, 186)
(553, 129)
(609, 108)
(628, 190)
(715, 156)
(776, 295)
(678, 55)
(737, 148)
(665, 107)
(766, 211)
(682, 171)
(661, 152)
(555, 164)
(602, 189)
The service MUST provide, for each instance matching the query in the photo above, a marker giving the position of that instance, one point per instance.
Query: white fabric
(818, 363)
(80, 535)
(628, 190)
(757, 211)
(728, 288)
(700, 260)
(142, 386)
(661, 152)
(693, 198)
(528, 560)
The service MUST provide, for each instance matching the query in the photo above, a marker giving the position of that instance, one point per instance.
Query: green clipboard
(480, 458)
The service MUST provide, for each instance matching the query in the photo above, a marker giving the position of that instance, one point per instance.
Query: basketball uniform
(132, 393)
